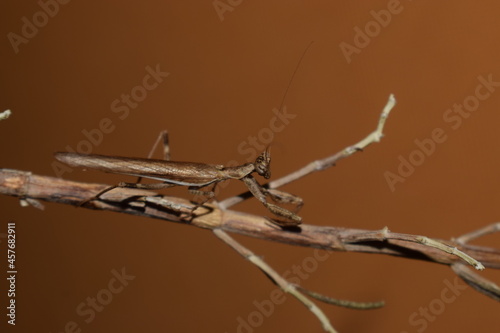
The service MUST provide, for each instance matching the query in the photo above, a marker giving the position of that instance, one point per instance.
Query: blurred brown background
(228, 69)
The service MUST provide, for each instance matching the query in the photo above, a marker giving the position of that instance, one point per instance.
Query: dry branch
(26, 185)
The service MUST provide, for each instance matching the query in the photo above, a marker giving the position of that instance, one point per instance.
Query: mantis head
(263, 164)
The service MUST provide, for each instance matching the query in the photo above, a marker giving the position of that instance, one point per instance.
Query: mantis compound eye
(263, 171)
(263, 164)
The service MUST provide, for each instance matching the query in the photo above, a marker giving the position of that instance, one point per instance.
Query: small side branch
(325, 163)
(474, 280)
(297, 291)
(341, 302)
(490, 229)
(276, 278)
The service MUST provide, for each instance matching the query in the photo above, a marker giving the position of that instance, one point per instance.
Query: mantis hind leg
(162, 137)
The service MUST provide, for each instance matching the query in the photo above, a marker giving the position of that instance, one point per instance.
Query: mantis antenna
(293, 75)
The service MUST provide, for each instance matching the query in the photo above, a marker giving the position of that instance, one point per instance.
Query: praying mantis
(194, 175)
(191, 174)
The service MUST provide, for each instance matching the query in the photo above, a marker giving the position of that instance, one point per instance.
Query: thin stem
(479, 283)
(492, 228)
(342, 302)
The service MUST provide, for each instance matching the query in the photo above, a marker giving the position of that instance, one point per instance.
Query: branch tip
(451, 250)
(5, 114)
